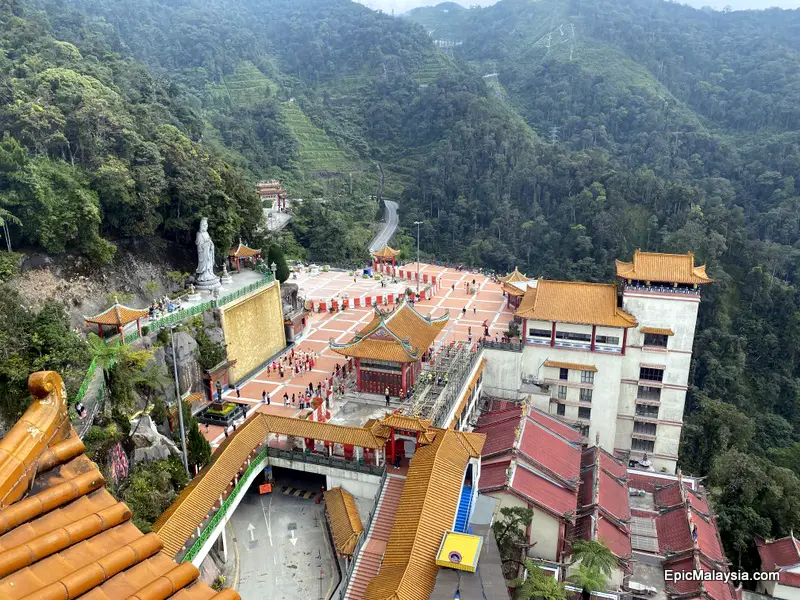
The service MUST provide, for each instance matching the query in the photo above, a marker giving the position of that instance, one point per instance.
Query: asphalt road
(272, 566)
(389, 227)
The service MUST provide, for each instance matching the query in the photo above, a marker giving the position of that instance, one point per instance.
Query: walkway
(389, 227)
(369, 559)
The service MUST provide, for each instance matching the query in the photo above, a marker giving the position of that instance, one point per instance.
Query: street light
(273, 267)
(180, 402)
(418, 223)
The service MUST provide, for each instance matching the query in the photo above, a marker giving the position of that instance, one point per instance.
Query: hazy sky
(400, 6)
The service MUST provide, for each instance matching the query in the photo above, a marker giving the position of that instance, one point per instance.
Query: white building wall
(605, 389)
(543, 530)
(678, 312)
(501, 376)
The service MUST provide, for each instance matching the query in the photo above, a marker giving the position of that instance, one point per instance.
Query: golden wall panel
(253, 329)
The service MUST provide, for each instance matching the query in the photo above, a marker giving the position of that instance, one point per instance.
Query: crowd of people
(160, 306)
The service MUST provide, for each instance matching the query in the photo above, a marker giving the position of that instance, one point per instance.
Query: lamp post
(273, 267)
(418, 223)
(180, 402)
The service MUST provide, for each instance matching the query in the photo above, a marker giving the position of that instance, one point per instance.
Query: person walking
(285, 399)
(386, 392)
(294, 400)
(464, 311)
(238, 395)
(265, 397)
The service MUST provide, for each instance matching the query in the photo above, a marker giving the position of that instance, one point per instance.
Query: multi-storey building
(612, 359)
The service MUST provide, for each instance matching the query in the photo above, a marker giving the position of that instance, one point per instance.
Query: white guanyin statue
(204, 276)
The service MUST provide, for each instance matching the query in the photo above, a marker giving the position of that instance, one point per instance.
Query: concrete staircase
(369, 559)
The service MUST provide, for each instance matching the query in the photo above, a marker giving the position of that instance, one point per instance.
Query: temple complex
(242, 254)
(390, 350)
(271, 191)
(385, 256)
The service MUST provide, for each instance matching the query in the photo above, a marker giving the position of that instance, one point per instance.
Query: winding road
(389, 227)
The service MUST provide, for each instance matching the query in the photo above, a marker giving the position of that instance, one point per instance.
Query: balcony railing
(510, 346)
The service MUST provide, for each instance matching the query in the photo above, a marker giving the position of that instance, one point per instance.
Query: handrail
(334, 462)
(206, 532)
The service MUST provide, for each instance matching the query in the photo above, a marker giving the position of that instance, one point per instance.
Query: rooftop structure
(389, 351)
(242, 253)
(657, 268)
(574, 302)
(118, 315)
(346, 527)
(62, 534)
(781, 556)
(460, 551)
(514, 286)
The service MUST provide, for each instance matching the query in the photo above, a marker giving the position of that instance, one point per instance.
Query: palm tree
(5, 218)
(594, 554)
(538, 585)
(589, 579)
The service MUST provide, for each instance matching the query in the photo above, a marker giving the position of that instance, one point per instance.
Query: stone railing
(510, 346)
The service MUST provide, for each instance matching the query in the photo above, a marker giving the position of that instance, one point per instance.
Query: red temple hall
(390, 350)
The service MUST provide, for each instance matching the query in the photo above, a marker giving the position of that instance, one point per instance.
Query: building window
(642, 445)
(649, 374)
(562, 392)
(644, 410)
(607, 339)
(539, 333)
(655, 339)
(648, 393)
(587, 376)
(644, 428)
(586, 395)
(584, 413)
(573, 337)
(561, 409)
(563, 374)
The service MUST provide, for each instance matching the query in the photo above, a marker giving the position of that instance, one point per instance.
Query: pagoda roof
(515, 288)
(514, 276)
(386, 252)
(665, 268)
(574, 302)
(63, 533)
(400, 336)
(242, 251)
(118, 314)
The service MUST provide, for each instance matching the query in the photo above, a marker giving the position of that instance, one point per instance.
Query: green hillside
(246, 86)
(318, 153)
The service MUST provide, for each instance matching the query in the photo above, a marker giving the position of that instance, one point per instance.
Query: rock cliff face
(148, 443)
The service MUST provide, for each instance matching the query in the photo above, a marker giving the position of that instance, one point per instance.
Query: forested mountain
(677, 130)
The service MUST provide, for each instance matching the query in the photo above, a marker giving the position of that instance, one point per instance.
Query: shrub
(325, 269)
(9, 265)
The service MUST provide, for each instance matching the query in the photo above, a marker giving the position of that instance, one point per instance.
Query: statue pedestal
(208, 285)
(226, 279)
(194, 298)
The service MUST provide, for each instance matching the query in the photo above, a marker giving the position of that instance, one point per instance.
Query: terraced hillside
(244, 87)
(318, 152)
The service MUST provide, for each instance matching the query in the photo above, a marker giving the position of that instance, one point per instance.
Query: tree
(151, 488)
(539, 585)
(197, 447)
(275, 255)
(589, 579)
(510, 533)
(594, 554)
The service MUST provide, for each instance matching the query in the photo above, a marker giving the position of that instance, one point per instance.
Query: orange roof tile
(62, 534)
(242, 251)
(118, 315)
(427, 510)
(663, 268)
(574, 302)
(346, 526)
(514, 277)
(400, 336)
(574, 366)
(386, 252)
(407, 423)
(658, 330)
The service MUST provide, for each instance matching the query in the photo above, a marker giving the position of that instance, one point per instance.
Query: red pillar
(553, 335)
(524, 331)
(139, 327)
(391, 444)
(100, 331)
(358, 374)
(122, 335)
(594, 335)
(403, 380)
(624, 340)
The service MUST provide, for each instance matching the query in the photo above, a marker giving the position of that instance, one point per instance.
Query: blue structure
(464, 508)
